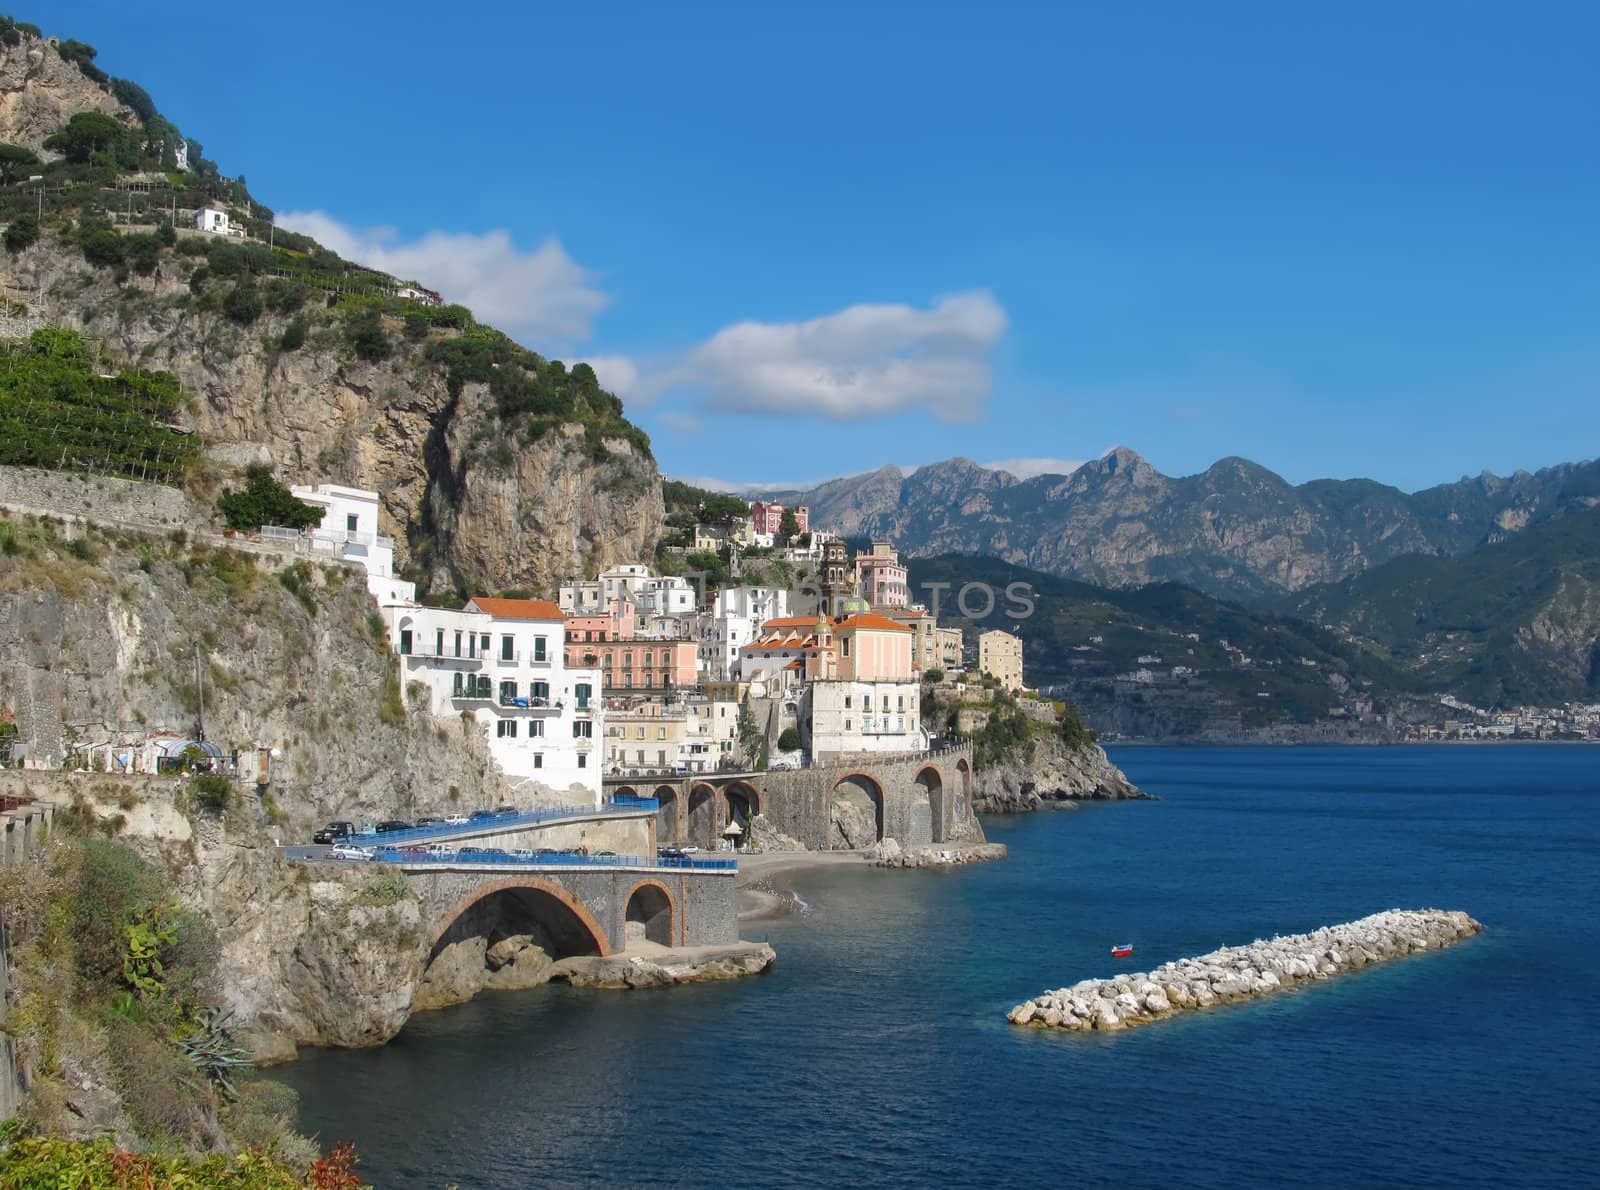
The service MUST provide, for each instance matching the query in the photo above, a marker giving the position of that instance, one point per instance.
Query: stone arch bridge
(913, 798)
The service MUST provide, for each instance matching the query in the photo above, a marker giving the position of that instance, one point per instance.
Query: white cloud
(680, 421)
(616, 373)
(863, 361)
(1028, 468)
(538, 296)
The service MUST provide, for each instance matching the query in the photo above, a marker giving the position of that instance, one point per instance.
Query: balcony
(430, 655)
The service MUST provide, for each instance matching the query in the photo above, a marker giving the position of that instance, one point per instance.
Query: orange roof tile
(873, 621)
(516, 609)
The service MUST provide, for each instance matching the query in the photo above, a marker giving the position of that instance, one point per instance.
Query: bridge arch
(964, 772)
(703, 825)
(651, 914)
(624, 791)
(669, 820)
(855, 812)
(545, 906)
(741, 800)
(927, 807)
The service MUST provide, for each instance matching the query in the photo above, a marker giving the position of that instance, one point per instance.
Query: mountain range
(1236, 530)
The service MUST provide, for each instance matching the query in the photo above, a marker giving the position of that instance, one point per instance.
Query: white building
(667, 595)
(653, 596)
(215, 220)
(863, 716)
(733, 621)
(502, 661)
(349, 531)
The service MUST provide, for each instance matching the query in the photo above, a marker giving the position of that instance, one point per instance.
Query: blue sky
(808, 241)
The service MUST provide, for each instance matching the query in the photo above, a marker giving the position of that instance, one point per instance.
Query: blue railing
(564, 859)
(500, 822)
(629, 801)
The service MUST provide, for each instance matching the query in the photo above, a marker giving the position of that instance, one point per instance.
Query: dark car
(506, 812)
(670, 853)
(393, 824)
(481, 815)
(430, 820)
(485, 853)
(334, 832)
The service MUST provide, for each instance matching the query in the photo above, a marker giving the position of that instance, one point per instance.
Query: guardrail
(498, 823)
(468, 855)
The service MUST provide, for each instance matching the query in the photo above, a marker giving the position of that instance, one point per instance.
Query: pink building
(626, 660)
(766, 518)
(881, 576)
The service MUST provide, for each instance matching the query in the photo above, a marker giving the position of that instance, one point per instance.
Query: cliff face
(1049, 771)
(40, 91)
(468, 505)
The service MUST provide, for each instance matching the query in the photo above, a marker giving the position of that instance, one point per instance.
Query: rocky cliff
(1045, 772)
(296, 359)
(1236, 530)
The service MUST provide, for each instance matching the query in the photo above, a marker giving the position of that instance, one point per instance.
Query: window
(506, 728)
(405, 641)
(483, 644)
(886, 704)
(535, 728)
(661, 758)
(508, 691)
(540, 690)
(640, 731)
(582, 690)
(583, 729)
(627, 681)
(458, 686)
(507, 649)
(458, 644)
(666, 658)
(438, 643)
(538, 648)
(900, 703)
(538, 757)
(661, 733)
(640, 755)
(847, 725)
(844, 646)
(350, 522)
(627, 659)
(847, 702)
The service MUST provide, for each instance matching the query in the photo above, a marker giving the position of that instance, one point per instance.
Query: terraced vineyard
(58, 410)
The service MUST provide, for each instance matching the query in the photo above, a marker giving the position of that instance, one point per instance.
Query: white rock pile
(1243, 972)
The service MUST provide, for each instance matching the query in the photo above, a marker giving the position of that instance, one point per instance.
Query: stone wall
(104, 499)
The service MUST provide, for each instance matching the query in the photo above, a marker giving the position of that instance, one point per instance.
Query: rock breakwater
(1243, 972)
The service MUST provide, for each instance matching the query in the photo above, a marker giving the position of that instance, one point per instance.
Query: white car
(345, 851)
(455, 820)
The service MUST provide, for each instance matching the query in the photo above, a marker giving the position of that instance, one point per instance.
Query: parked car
(393, 824)
(455, 820)
(430, 820)
(670, 852)
(481, 815)
(506, 812)
(344, 851)
(690, 850)
(781, 766)
(486, 853)
(439, 849)
(334, 832)
(522, 853)
(611, 853)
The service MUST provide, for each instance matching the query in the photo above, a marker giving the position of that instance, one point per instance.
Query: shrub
(294, 335)
(212, 792)
(789, 739)
(243, 303)
(364, 332)
(143, 252)
(51, 1161)
(22, 232)
(102, 247)
(112, 889)
(265, 501)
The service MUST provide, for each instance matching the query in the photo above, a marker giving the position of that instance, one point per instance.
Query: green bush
(789, 739)
(364, 333)
(294, 335)
(21, 233)
(265, 501)
(113, 888)
(243, 303)
(102, 247)
(212, 792)
(51, 1161)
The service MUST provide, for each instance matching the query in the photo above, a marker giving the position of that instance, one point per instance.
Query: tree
(243, 303)
(750, 738)
(17, 162)
(81, 54)
(265, 501)
(788, 525)
(21, 233)
(136, 97)
(86, 134)
(102, 247)
(789, 739)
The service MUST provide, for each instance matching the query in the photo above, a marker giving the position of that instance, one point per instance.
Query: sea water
(876, 1052)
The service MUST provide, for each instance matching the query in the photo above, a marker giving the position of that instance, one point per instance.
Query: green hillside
(1514, 623)
(1256, 668)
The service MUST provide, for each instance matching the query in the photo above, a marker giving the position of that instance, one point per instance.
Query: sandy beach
(761, 894)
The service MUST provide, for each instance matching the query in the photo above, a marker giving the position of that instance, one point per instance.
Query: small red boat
(1124, 951)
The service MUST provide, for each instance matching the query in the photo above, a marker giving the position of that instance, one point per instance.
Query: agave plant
(211, 1050)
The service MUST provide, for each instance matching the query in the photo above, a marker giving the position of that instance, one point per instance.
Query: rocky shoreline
(1237, 973)
(665, 966)
(889, 854)
(1051, 774)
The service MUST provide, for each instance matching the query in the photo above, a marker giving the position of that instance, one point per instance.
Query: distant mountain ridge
(1517, 622)
(1235, 530)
